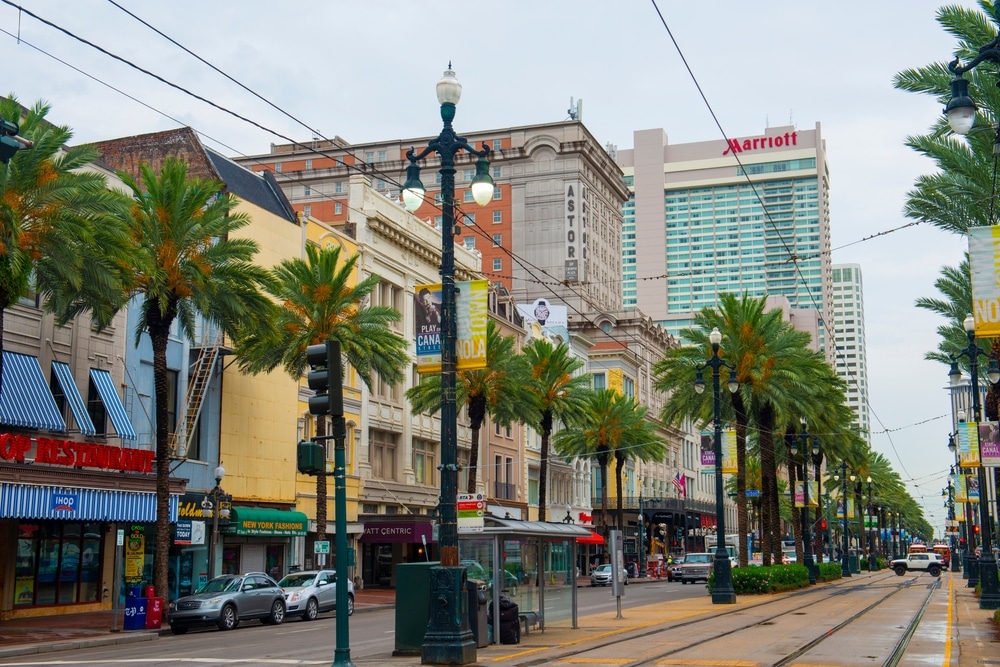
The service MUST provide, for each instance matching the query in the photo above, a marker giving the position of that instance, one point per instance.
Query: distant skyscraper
(748, 215)
(849, 332)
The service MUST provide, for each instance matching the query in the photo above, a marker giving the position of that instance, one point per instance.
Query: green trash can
(413, 591)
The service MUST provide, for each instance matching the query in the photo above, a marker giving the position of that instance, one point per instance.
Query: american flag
(680, 483)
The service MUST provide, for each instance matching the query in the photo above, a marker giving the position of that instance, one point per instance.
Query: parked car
(310, 592)
(227, 600)
(601, 575)
(673, 567)
(696, 566)
(475, 571)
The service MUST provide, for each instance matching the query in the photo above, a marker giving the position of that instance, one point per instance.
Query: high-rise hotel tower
(748, 215)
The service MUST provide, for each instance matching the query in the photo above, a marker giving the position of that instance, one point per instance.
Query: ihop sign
(64, 502)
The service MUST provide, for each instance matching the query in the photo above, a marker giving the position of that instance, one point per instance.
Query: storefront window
(231, 560)
(58, 563)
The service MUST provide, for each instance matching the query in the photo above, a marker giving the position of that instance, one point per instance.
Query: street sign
(471, 510)
(322, 547)
(753, 493)
(121, 536)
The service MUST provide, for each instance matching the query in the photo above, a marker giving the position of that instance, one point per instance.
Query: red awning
(593, 538)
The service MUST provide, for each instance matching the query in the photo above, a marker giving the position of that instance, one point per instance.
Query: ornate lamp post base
(449, 639)
(723, 591)
(989, 597)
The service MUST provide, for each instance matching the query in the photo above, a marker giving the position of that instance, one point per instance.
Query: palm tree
(58, 234)
(317, 302)
(747, 329)
(559, 395)
(184, 265)
(613, 425)
(499, 390)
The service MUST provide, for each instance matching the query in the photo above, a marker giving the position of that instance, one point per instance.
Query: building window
(58, 562)
(337, 208)
(599, 381)
(338, 187)
(496, 144)
(307, 210)
(628, 387)
(497, 240)
(309, 165)
(369, 156)
(467, 196)
(380, 184)
(381, 156)
(469, 242)
(497, 264)
(496, 172)
(497, 217)
(277, 167)
(468, 174)
(470, 218)
(497, 194)
(306, 191)
(382, 453)
(424, 457)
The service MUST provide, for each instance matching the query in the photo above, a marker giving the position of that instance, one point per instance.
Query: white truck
(732, 546)
(927, 561)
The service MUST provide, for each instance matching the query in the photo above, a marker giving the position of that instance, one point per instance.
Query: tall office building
(849, 328)
(747, 215)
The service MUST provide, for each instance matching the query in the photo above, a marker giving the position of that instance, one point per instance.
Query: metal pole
(342, 652)
(723, 592)
(807, 532)
(989, 597)
(870, 532)
(215, 533)
(845, 563)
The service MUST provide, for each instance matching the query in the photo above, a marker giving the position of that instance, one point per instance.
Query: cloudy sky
(366, 71)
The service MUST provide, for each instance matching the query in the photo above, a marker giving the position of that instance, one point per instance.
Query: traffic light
(822, 524)
(8, 144)
(310, 458)
(975, 530)
(319, 376)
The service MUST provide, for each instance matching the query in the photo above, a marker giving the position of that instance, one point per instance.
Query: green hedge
(776, 578)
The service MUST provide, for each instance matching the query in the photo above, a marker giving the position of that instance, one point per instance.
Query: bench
(528, 620)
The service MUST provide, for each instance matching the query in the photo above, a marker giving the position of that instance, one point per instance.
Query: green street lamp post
(950, 492)
(845, 562)
(448, 639)
(990, 596)
(723, 592)
(869, 526)
(807, 535)
(967, 540)
(215, 505)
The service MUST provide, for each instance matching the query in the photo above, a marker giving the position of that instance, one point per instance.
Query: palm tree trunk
(321, 484)
(742, 529)
(543, 470)
(771, 517)
(159, 335)
(796, 512)
(604, 498)
(619, 465)
(474, 458)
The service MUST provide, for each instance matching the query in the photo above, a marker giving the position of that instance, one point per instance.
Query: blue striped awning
(65, 377)
(27, 501)
(113, 404)
(25, 398)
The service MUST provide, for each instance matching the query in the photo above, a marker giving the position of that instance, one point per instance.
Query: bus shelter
(536, 563)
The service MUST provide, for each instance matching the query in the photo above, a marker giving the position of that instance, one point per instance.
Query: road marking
(175, 661)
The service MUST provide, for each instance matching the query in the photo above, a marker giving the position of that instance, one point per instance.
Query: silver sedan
(313, 591)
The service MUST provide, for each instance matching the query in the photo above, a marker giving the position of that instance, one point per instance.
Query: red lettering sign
(757, 143)
(14, 447)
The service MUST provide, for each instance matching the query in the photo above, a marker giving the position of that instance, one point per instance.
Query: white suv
(929, 562)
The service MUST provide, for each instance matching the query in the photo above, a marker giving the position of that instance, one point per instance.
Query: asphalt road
(307, 643)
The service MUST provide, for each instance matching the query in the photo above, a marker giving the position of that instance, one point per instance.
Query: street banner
(813, 493)
(471, 307)
(708, 452)
(972, 487)
(800, 494)
(958, 483)
(984, 260)
(729, 451)
(840, 508)
(989, 443)
(968, 445)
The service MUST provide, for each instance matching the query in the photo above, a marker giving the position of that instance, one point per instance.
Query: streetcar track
(841, 588)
